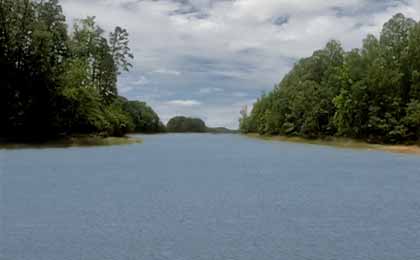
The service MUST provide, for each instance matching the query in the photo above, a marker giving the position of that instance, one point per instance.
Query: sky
(209, 58)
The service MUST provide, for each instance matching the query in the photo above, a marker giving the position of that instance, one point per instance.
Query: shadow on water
(85, 141)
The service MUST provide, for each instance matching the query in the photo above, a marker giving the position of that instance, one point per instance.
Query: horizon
(224, 54)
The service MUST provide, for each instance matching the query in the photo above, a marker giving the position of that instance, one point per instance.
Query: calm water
(216, 197)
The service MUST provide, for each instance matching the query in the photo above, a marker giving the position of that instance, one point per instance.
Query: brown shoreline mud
(343, 143)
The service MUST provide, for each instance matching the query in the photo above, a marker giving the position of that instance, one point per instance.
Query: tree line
(57, 83)
(182, 124)
(370, 93)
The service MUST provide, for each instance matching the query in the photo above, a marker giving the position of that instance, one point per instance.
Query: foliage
(372, 93)
(144, 119)
(181, 124)
(57, 83)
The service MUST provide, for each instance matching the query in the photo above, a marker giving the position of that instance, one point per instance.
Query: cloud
(189, 48)
(125, 89)
(215, 114)
(184, 103)
(142, 80)
(210, 90)
(168, 72)
(239, 94)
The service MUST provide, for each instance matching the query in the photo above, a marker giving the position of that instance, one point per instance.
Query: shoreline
(73, 141)
(343, 143)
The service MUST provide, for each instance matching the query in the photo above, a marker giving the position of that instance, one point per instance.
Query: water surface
(215, 197)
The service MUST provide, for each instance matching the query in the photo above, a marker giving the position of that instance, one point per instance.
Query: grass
(75, 141)
(343, 143)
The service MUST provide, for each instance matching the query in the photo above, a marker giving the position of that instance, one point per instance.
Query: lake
(208, 197)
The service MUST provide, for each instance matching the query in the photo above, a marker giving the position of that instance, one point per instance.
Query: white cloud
(142, 80)
(239, 94)
(184, 103)
(210, 90)
(125, 89)
(168, 72)
(214, 114)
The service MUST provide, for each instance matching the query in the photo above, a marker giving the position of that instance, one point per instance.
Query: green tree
(120, 50)
(370, 93)
(33, 37)
(55, 84)
(144, 119)
(181, 124)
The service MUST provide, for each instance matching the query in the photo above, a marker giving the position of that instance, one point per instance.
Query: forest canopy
(371, 93)
(55, 83)
(181, 124)
(144, 119)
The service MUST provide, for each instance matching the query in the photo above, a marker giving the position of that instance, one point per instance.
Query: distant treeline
(55, 83)
(182, 124)
(372, 93)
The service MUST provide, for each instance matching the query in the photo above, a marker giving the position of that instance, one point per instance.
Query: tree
(370, 93)
(33, 37)
(54, 83)
(90, 46)
(120, 51)
(182, 124)
(144, 119)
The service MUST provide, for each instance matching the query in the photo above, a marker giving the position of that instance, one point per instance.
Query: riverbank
(343, 143)
(74, 141)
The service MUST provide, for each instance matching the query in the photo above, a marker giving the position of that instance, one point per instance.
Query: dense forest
(181, 124)
(55, 83)
(371, 93)
(144, 119)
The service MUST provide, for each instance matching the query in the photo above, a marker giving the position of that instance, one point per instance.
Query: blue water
(215, 197)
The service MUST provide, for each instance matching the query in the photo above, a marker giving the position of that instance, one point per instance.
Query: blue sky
(208, 58)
